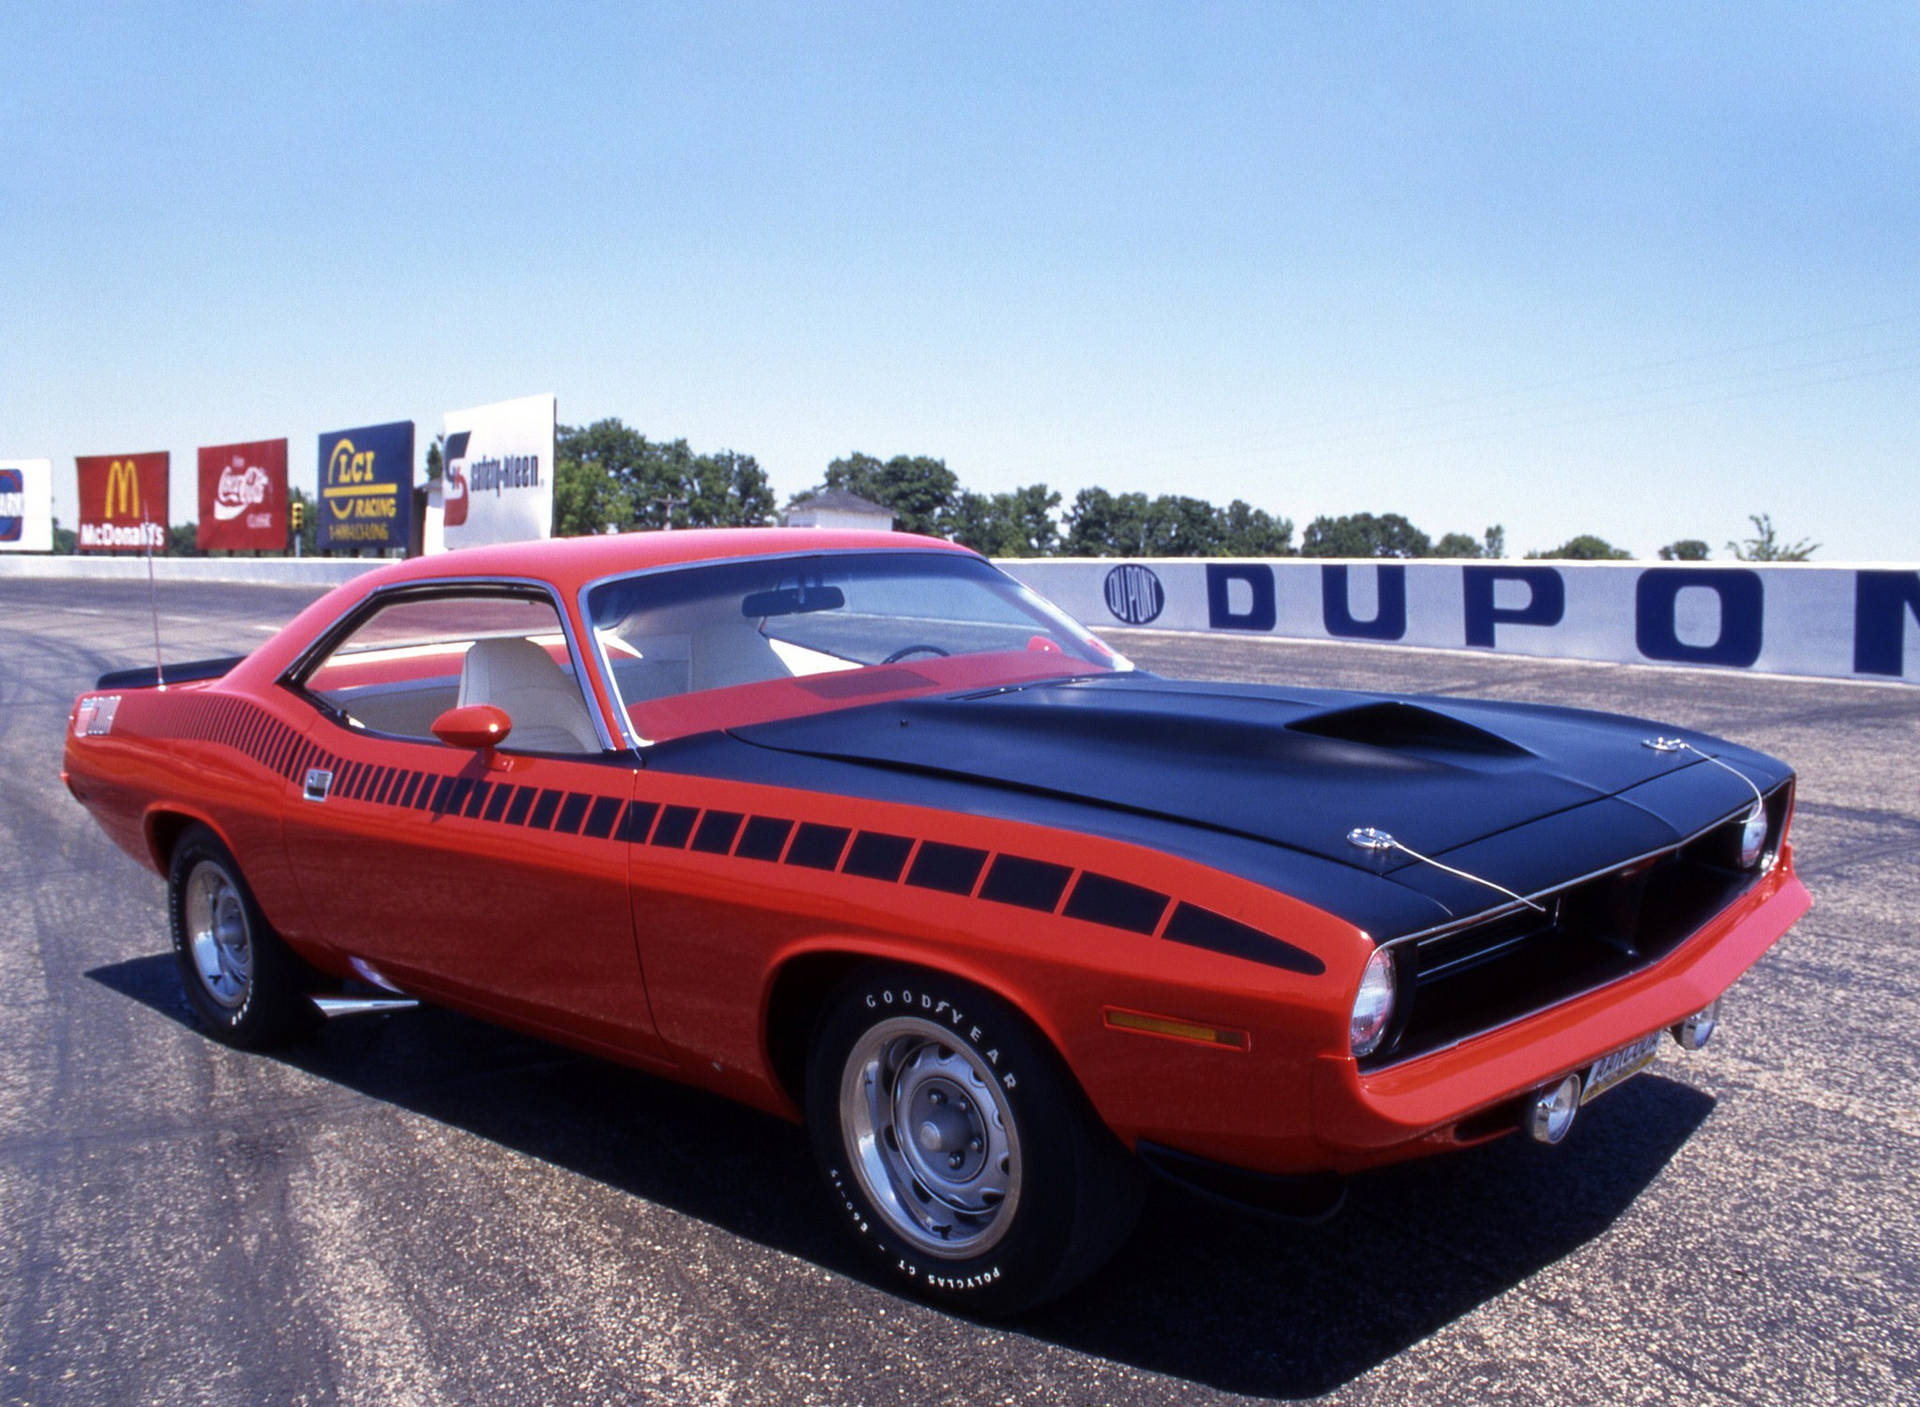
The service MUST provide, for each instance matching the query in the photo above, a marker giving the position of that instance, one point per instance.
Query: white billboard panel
(26, 505)
(499, 472)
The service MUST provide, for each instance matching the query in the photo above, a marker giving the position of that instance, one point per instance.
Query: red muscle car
(856, 829)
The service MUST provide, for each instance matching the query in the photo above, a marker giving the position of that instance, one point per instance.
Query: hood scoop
(1404, 727)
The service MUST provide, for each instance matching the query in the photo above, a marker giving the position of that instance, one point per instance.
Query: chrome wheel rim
(931, 1138)
(218, 939)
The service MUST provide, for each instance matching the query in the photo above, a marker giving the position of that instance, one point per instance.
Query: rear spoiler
(185, 672)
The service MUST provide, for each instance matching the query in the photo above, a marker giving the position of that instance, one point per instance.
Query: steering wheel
(906, 650)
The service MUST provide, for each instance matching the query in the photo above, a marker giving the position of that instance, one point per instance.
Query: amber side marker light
(1123, 1020)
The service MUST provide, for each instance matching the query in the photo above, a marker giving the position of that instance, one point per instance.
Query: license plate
(1622, 1065)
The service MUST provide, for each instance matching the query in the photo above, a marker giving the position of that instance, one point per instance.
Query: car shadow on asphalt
(1201, 1292)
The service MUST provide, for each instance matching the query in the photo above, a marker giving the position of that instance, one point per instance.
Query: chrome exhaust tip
(1698, 1028)
(1549, 1114)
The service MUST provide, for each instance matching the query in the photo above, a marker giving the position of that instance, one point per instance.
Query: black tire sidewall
(265, 1013)
(1022, 1264)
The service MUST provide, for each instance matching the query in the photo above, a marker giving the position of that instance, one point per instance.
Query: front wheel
(957, 1146)
(241, 980)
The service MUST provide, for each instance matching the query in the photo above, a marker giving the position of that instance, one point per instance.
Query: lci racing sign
(26, 505)
(243, 497)
(366, 486)
(123, 502)
(499, 475)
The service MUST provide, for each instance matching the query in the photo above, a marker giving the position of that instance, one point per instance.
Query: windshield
(743, 642)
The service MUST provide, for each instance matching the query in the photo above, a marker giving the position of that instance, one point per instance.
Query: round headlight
(1373, 1007)
(1753, 837)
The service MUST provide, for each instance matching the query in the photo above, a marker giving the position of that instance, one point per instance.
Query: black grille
(1455, 985)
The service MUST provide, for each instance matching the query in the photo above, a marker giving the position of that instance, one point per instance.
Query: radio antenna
(153, 595)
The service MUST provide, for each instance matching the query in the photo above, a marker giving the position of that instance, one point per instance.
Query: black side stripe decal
(1040, 886)
(638, 821)
(1201, 928)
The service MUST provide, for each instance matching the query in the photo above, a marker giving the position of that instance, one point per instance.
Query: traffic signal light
(297, 513)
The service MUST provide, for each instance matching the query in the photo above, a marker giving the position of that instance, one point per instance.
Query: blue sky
(1631, 270)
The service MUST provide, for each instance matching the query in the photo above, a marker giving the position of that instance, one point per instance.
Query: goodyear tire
(957, 1147)
(241, 980)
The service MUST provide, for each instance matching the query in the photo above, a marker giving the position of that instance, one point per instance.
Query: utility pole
(671, 503)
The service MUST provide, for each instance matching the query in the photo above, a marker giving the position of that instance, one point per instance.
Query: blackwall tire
(956, 1146)
(241, 980)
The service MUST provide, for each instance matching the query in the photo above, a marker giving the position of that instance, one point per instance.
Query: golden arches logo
(123, 489)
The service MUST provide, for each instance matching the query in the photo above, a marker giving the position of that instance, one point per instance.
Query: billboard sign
(366, 487)
(243, 497)
(499, 475)
(123, 501)
(26, 505)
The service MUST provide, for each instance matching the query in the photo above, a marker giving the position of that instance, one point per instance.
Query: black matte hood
(1298, 769)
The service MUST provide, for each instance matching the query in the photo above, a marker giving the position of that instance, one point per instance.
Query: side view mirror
(475, 726)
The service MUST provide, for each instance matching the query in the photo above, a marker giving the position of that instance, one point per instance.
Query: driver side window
(417, 656)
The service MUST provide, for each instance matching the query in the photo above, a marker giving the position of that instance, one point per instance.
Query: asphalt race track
(419, 1208)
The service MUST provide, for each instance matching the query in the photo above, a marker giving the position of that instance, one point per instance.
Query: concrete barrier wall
(1860, 622)
(268, 571)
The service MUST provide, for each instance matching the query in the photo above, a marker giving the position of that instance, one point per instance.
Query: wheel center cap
(942, 1131)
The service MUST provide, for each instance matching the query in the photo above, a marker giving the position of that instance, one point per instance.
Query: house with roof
(836, 508)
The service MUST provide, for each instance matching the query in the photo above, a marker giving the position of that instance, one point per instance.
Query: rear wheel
(957, 1146)
(242, 981)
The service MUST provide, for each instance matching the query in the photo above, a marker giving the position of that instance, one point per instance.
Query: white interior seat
(517, 676)
(734, 653)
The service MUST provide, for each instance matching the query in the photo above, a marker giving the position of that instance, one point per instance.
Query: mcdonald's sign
(123, 501)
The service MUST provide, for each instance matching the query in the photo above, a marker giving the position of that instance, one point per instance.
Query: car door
(494, 879)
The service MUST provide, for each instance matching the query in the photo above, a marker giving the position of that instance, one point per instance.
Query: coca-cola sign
(243, 497)
(242, 486)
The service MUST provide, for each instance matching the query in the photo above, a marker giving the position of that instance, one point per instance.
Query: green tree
(587, 498)
(1016, 524)
(1246, 531)
(1687, 549)
(1458, 545)
(1103, 524)
(1365, 535)
(1179, 526)
(1584, 548)
(728, 490)
(183, 540)
(596, 468)
(922, 492)
(66, 542)
(1495, 538)
(1765, 544)
(609, 474)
